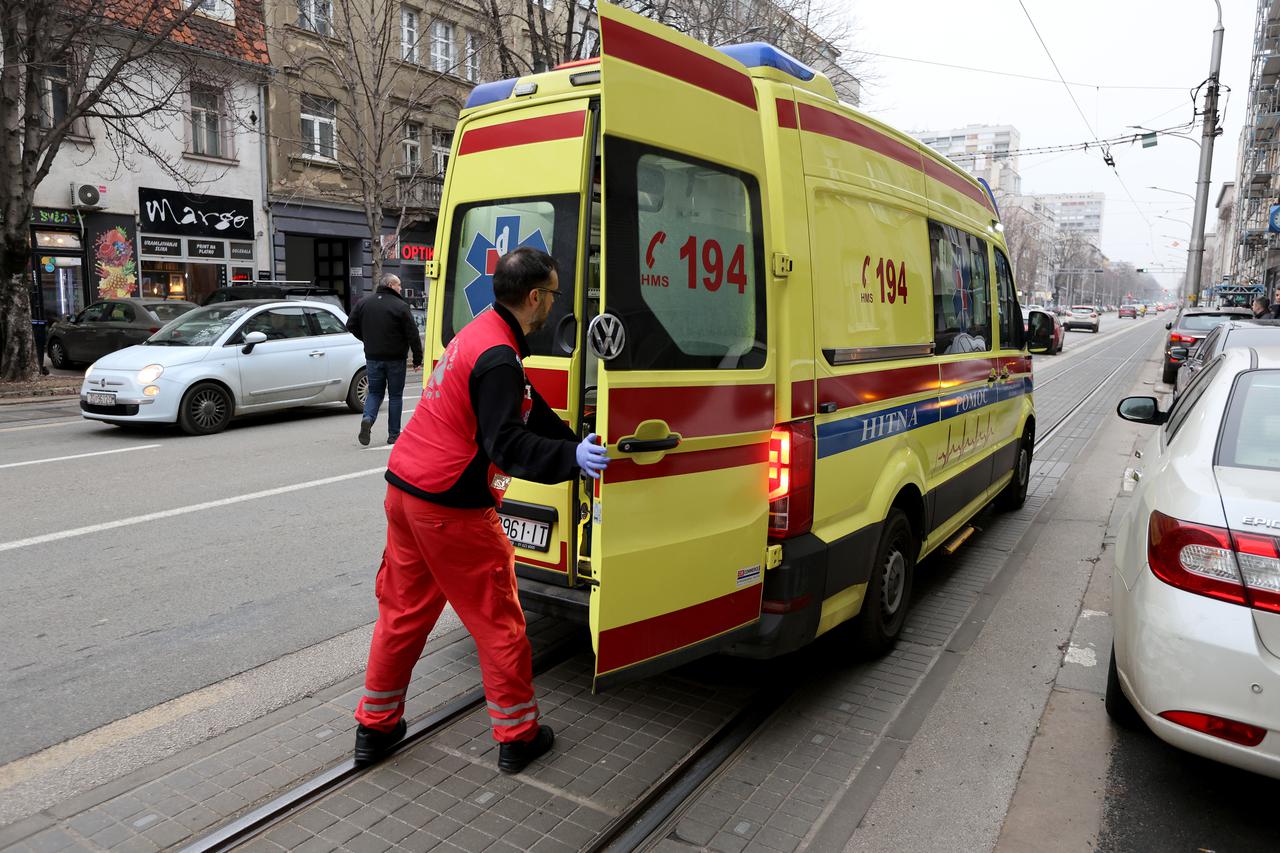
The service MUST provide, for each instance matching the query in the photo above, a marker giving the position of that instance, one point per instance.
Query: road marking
(182, 510)
(44, 426)
(383, 447)
(78, 456)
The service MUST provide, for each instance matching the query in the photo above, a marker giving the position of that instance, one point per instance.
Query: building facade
(182, 218)
(1223, 267)
(988, 152)
(1078, 214)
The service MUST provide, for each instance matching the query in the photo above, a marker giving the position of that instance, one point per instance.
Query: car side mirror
(1142, 410)
(251, 340)
(1178, 353)
(1168, 325)
(1039, 333)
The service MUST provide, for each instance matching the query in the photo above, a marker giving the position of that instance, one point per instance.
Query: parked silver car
(232, 358)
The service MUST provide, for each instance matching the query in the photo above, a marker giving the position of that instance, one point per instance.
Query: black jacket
(385, 324)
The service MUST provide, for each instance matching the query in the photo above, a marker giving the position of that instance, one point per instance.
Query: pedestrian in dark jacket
(1261, 311)
(385, 324)
(480, 423)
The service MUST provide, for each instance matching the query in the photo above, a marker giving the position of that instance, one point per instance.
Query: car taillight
(791, 461)
(1240, 568)
(154, 329)
(1182, 339)
(1220, 727)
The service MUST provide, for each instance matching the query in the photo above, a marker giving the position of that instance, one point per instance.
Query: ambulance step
(959, 539)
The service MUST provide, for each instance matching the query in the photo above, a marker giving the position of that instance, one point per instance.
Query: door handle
(648, 445)
(317, 353)
(992, 376)
(1004, 372)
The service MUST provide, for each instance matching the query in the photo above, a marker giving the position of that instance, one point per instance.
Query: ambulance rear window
(485, 231)
(684, 261)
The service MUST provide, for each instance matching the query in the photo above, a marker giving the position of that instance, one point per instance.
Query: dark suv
(238, 292)
(1228, 335)
(1188, 329)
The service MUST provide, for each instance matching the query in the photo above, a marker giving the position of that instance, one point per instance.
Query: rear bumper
(798, 584)
(562, 602)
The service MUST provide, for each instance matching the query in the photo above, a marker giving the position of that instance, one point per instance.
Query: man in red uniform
(479, 424)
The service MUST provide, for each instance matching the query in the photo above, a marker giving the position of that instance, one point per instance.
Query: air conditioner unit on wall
(86, 196)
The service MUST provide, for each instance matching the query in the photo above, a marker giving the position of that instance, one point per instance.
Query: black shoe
(514, 757)
(391, 439)
(372, 744)
(366, 426)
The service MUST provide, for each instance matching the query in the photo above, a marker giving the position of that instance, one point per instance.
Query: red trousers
(435, 554)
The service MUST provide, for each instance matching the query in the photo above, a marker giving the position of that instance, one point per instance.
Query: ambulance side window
(1011, 329)
(961, 291)
(684, 267)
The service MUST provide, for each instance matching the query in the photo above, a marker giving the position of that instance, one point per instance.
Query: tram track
(656, 810)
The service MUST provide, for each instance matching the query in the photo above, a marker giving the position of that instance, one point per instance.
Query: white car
(1196, 591)
(1082, 317)
(232, 358)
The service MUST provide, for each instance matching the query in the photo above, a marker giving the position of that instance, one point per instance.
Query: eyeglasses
(555, 294)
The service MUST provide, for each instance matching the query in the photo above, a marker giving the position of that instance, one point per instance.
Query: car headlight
(149, 374)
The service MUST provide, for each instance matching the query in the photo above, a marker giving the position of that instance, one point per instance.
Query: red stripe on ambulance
(562, 566)
(692, 410)
(827, 123)
(623, 470)
(523, 132)
(963, 372)
(658, 54)
(787, 113)
(878, 386)
(802, 401)
(648, 638)
(552, 384)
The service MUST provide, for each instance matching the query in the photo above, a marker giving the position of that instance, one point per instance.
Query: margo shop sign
(166, 212)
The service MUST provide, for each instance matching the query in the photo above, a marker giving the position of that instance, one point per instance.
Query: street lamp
(1171, 219)
(1175, 192)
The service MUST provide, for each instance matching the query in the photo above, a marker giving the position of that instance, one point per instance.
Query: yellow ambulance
(796, 329)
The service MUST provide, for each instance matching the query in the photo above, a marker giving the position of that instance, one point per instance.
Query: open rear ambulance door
(686, 385)
(516, 179)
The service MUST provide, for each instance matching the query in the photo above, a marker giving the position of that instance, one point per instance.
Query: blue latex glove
(592, 458)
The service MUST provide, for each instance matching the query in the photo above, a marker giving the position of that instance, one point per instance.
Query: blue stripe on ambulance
(849, 433)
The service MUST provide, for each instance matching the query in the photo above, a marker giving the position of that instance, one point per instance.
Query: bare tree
(534, 35)
(379, 78)
(65, 63)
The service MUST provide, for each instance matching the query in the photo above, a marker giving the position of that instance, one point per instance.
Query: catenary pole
(1196, 254)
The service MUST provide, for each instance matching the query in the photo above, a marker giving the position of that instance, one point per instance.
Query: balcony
(419, 191)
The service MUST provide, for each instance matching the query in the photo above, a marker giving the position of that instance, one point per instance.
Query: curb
(34, 395)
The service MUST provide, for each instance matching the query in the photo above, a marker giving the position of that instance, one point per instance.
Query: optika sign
(164, 212)
(419, 252)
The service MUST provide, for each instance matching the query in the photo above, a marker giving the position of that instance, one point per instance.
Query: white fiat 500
(228, 359)
(1196, 592)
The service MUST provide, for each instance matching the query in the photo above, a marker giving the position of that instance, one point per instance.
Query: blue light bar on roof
(488, 93)
(756, 54)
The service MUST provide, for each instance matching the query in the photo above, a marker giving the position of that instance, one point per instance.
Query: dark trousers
(386, 378)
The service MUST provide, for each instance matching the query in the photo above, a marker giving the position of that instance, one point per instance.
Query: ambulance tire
(1014, 495)
(888, 598)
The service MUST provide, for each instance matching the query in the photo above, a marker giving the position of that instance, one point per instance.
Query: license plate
(525, 533)
(102, 398)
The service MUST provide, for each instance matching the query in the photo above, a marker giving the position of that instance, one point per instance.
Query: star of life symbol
(433, 389)
(483, 256)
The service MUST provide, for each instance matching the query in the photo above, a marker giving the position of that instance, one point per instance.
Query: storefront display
(190, 245)
(57, 264)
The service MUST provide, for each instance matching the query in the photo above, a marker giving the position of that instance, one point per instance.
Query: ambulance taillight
(791, 452)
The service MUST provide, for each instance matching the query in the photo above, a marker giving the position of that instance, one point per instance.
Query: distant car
(1058, 335)
(1228, 335)
(107, 326)
(1196, 586)
(1082, 317)
(1130, 311)
(1188, 329)
(238, 292)
(227, 359)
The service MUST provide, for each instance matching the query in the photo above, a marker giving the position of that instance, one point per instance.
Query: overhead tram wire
(1106, 156)
(1079, 146)
(1015, 74)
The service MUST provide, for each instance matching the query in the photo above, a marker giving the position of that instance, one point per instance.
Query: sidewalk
(58, 383)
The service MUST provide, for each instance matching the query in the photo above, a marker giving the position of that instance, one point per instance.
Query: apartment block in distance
(984, 151)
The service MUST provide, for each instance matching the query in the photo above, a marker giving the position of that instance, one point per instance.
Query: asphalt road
(142, 565)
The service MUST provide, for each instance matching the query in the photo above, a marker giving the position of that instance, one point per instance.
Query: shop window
(444, 54)
(326, 323)
(441, 142)
(472, 68)
(206, 122)
(316, 16)
(412, 146)
(408, 34)
(319, 127)
(57, 240)
(961, 291)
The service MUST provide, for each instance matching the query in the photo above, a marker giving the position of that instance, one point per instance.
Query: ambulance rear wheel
(884, 609)
(1014, 495)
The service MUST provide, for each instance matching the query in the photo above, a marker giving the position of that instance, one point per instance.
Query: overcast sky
(1162, 44)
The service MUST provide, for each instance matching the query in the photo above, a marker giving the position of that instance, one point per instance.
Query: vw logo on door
(606, 337)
